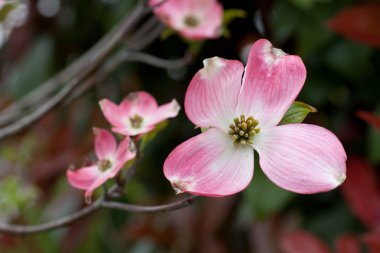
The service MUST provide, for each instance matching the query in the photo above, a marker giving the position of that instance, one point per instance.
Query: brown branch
(117, 60)
(32, 229)
(157, 62)
(101, 203)
(149, 209)
(83, 66)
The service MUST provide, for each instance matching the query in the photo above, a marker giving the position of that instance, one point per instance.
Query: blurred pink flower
(193, 19)
(111, 159)
(138, 113)
(242, 112)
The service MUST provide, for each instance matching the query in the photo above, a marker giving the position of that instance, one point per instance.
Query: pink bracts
(193, 19)
(138, 113)
(241, 113)
(111, 159)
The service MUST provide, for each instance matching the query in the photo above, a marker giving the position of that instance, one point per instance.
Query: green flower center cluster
(191, 21)
(243, 130)
(136, 121)
(104, 164)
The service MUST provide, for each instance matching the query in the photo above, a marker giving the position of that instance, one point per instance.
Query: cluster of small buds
(104, 164)
(244, 129)
(136, 121)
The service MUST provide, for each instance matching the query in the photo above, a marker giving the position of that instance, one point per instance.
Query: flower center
(243, 130)
(136, 121)
(191, 21)
(104, 164)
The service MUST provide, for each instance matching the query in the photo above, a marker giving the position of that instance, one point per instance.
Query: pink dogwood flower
(241, 114)
(193, 19)
(138, 113)
(111, 159)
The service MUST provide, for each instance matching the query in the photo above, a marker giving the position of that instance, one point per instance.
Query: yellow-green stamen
(136, 121)
(244, 129)
(104, 164)
(191, 21)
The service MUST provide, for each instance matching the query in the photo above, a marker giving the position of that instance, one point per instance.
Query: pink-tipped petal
(210, 164)
(139, 102)
(112, 112)
(271, 82)
(83, 178)
(212, 95)
(125, 151)
(101, 179)
(105, 144)
(301, 158)
(165, 111)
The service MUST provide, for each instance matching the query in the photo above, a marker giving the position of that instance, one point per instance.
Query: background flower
(138, 113)
(195, 19)
(111, 159)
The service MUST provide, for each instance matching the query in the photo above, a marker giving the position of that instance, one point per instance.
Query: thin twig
(93, 63)
(157, 62)
(32, 229)
(117, 60)
(30, 101)
(148, 38)
(13, 111)
(101, 203)
(134, 41)
(149, 209)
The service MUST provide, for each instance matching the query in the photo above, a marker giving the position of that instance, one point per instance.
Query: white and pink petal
(139, 102)
(163, 112)
(125, 151)
(103, 177)
(83, 178)
(105, 144)
(271, 82)
(301, 158)
(113, 113)
(213, 92)
(210, 164)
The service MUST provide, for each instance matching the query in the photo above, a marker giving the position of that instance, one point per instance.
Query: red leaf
(347, 244)
(360, 23)
(302, 242)
(372, 240)
(370, 118)
(361, 191)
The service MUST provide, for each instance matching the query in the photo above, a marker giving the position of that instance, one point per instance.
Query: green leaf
(152, 134)
(166, 33)
(231, 14)
(228, 16)
(297, 113)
